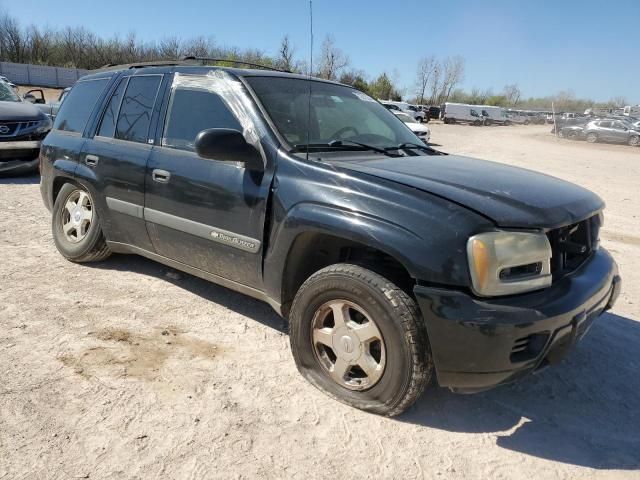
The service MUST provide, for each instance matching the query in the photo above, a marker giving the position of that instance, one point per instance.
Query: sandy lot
(127, 369)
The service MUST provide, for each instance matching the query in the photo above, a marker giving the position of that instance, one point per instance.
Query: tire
(634, 141)
(419, 119)
(526, 122)
(488, 122)
(83, 241)
(592, 137)
(507, 123)
(402, 355)
(445, 120)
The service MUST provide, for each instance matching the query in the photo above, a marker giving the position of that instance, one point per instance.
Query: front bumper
(478, 344)
(19, 157)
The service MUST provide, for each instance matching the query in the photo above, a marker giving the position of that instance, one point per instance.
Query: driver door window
(190, 112)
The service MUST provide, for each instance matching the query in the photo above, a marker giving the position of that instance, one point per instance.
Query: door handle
(160, 176)
(91, 160)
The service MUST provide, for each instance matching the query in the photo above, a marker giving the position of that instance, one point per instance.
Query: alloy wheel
(348, 344)
(77, 216)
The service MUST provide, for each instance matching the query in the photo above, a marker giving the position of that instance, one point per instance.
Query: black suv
(393, 262)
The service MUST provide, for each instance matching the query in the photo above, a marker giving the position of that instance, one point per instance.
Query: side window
(108, 124)
(136, 108)
(78, 105)
(190, 112)
(605, 124)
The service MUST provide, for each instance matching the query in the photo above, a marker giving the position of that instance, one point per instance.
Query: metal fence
(40, 75)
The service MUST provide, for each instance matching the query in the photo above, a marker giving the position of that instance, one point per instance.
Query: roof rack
(238, 62)
(185, 61)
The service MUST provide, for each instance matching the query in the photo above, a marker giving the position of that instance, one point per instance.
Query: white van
(462, 112)
(494, 115)
(404, 107)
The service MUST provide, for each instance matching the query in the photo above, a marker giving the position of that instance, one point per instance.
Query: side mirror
(29, 98)
(226, 144)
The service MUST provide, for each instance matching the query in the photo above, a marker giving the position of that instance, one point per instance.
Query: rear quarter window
(78, 105)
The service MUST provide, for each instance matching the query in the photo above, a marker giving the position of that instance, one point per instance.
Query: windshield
(405, 118)
(7, 94)
(337, 113)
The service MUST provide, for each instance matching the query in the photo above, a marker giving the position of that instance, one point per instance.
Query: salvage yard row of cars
(609, 129)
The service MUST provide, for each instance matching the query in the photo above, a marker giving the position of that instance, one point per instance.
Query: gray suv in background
(614, 131)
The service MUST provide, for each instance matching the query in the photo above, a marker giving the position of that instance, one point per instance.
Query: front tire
(592, 137)
(360, 339)
(75, 225)
(634, 141)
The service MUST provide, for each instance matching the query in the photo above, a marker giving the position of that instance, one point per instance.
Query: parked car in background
(52, 108)
(422, 131)
(396, 266)
(22, 128)
(461, 112)
(434, 112)
(405, 107)
(518, 117)
(611, 131)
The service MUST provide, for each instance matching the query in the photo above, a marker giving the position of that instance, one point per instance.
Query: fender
(410, 249)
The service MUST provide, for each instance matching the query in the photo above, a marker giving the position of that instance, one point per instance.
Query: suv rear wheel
(76, 226)
(360, 339)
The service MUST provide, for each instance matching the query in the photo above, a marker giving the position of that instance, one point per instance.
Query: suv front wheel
(360, 339)
(76, 226)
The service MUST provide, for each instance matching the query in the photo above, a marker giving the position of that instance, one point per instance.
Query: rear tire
(75, 225)
(383, 372)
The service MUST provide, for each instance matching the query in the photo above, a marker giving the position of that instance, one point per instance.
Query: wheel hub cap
(77, 216)
(348, 345)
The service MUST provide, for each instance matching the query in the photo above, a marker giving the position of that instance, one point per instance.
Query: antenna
(309, 76)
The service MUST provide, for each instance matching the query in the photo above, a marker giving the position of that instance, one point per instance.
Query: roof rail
(238, 62)
(130, 66)
(185, 61)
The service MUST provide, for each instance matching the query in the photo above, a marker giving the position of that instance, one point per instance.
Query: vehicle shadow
(585, 411)
(20, 180)
(230, 299)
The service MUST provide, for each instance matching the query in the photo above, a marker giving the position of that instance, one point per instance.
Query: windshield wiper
(340, 145)
(416, 146)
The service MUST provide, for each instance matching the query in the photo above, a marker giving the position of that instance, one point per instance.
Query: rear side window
(78, 105)
(137, 107)
(108, 124)
(192, 111)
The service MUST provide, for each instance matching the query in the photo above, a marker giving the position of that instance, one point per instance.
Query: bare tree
(332, 60)
(452, 75)
(512, 93)
(426, 68)
(435, 84)
(285, 54)
(12, 41)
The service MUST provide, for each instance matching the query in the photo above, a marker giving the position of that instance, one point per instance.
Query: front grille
(572, 245)
(11, 129)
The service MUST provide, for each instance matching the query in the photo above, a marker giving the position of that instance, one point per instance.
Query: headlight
(504, 263)
(44, 125)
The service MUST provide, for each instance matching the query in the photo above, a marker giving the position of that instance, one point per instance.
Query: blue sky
(588, 46)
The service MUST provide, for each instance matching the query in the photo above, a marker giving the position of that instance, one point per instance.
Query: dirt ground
(128, 369)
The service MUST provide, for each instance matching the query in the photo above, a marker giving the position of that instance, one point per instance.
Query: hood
(19, 112)
(510, 196)
(418, 127)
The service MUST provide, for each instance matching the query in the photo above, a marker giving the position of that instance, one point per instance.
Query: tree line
(437, 81)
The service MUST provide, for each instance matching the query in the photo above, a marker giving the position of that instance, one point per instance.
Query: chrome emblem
(4, 129)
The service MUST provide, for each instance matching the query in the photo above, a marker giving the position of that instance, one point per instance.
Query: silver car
(613, 131)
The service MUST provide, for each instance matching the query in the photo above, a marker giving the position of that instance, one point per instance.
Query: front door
(204, 213)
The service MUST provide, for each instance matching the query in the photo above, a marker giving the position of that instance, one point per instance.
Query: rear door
(117, 156)
(204, 213)
(619, 132)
